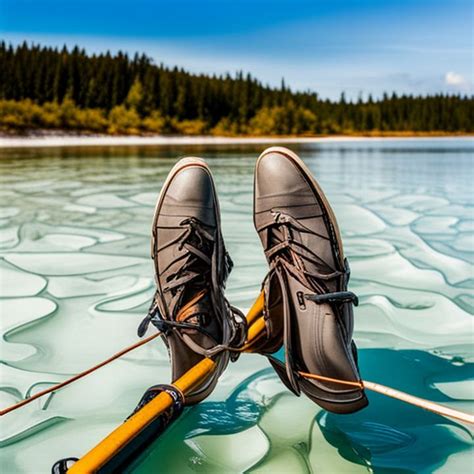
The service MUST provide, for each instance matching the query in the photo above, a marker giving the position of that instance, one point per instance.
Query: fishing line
(78, 376)
(398, 395)
(364, 384)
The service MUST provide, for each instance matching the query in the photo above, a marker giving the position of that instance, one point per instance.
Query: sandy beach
(166, 140)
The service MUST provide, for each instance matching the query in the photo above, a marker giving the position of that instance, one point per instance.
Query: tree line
(45, 87)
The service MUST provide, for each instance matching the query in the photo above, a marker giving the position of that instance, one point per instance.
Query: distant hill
(43, 87)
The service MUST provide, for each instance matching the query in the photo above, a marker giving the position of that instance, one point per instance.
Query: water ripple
(77, 279)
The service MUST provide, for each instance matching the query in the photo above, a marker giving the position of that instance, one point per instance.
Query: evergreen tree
(230, 103)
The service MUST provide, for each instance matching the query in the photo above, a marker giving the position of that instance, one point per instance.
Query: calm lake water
(76, 279)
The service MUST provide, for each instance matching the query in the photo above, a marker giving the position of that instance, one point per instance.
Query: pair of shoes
(307, 306)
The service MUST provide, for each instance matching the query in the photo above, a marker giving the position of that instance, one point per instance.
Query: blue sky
(359, 47)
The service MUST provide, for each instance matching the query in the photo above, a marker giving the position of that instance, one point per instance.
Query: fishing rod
(163, 404)
(154, 417)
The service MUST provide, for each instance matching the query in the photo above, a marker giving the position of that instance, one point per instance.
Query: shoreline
(69, 140)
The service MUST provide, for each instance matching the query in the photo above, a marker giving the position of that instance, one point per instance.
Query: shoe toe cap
(279, 183)
(192, 185)
(191, 193)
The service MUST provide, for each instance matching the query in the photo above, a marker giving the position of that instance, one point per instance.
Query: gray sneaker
(191, 268)
(308, 307)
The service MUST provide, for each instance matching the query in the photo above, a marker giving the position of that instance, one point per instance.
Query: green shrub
(93, 120)
(266, 121)
(123, 120)
(155, 123)
(283, 120)
(190, 127)
(49, 115)
(225, 128)
(19, 115)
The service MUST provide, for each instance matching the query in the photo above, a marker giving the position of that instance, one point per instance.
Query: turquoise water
(76, 279)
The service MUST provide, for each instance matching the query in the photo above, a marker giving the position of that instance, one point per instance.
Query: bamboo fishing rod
(98, 457)
(129, 433)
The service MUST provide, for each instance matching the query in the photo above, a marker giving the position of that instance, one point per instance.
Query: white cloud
(456, 80)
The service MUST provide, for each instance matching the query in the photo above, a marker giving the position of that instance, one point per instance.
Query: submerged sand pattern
(76, 279)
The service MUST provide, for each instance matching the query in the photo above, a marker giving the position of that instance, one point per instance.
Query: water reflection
(388, 435)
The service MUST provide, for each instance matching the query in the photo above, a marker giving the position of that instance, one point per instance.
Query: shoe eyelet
(301, 299)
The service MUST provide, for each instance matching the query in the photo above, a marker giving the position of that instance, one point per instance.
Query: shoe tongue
(196, 306)
(193, 314)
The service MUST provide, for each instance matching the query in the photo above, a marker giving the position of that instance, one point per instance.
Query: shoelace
(198, 242)
(288, 257)
(297, 253)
